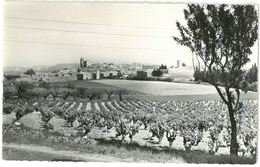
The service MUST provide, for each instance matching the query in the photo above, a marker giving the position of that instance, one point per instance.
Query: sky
(48, 33)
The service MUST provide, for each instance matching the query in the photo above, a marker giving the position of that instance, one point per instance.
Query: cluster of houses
(97, 71)
(86, 71)
(109, 70)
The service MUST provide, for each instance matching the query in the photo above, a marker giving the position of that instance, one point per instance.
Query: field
(164, 91)
(161, 88)
(166, 125)
(135, 125)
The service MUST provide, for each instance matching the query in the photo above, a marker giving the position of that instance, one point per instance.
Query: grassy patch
(16, 154)
(91, 85)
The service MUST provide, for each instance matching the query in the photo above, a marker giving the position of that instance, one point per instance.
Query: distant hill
(14, 70)
(59, 67)
(41, 68)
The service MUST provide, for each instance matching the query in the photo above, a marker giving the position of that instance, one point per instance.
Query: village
(96, 71)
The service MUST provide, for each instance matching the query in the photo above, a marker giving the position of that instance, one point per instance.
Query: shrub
(8, 108)
(120, 93)
(45, 85)
(41, 92)
(23, 89)
(162, 67)
(94, 94)
(11, 77)
(199, 76)
(54, 93)
(22, 110)
(9, 91)
(82, 92)
(69, 86)
(157, 73)
(65, 93)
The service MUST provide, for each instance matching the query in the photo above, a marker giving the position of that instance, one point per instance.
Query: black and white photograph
(130, 82)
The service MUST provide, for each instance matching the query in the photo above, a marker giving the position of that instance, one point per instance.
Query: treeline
(250, 77)
(27, 90)
(150, 79)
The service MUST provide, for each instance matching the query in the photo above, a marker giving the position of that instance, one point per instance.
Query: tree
(109, 93)
(157, 73)
(30, 72)
(251, 75)
(121, 92)
(222, 36)
(199, 75)
(163, 67)
(65, 93)
(82, 92)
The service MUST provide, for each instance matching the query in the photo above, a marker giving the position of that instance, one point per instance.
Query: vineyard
(187, 125)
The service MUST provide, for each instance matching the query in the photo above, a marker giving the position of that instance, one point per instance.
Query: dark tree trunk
(234, 145)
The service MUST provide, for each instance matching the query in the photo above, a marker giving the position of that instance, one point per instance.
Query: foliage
(134, 151)
(46, 116)
(45, 85)
(69, 86)
(54, 92)
(8, 108)
(168, 79)
(9, 90)
(162, 67)
(23, 89)
(30, 72)
(41, 92)
(65, 93)
(94, 94)
(199, 75)
(82, 92)
(251, 75)
(109, 93)
(11, 77)
(157, 73)
(23, 109)
(190, 118)
(222, 36)
(120, 93)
